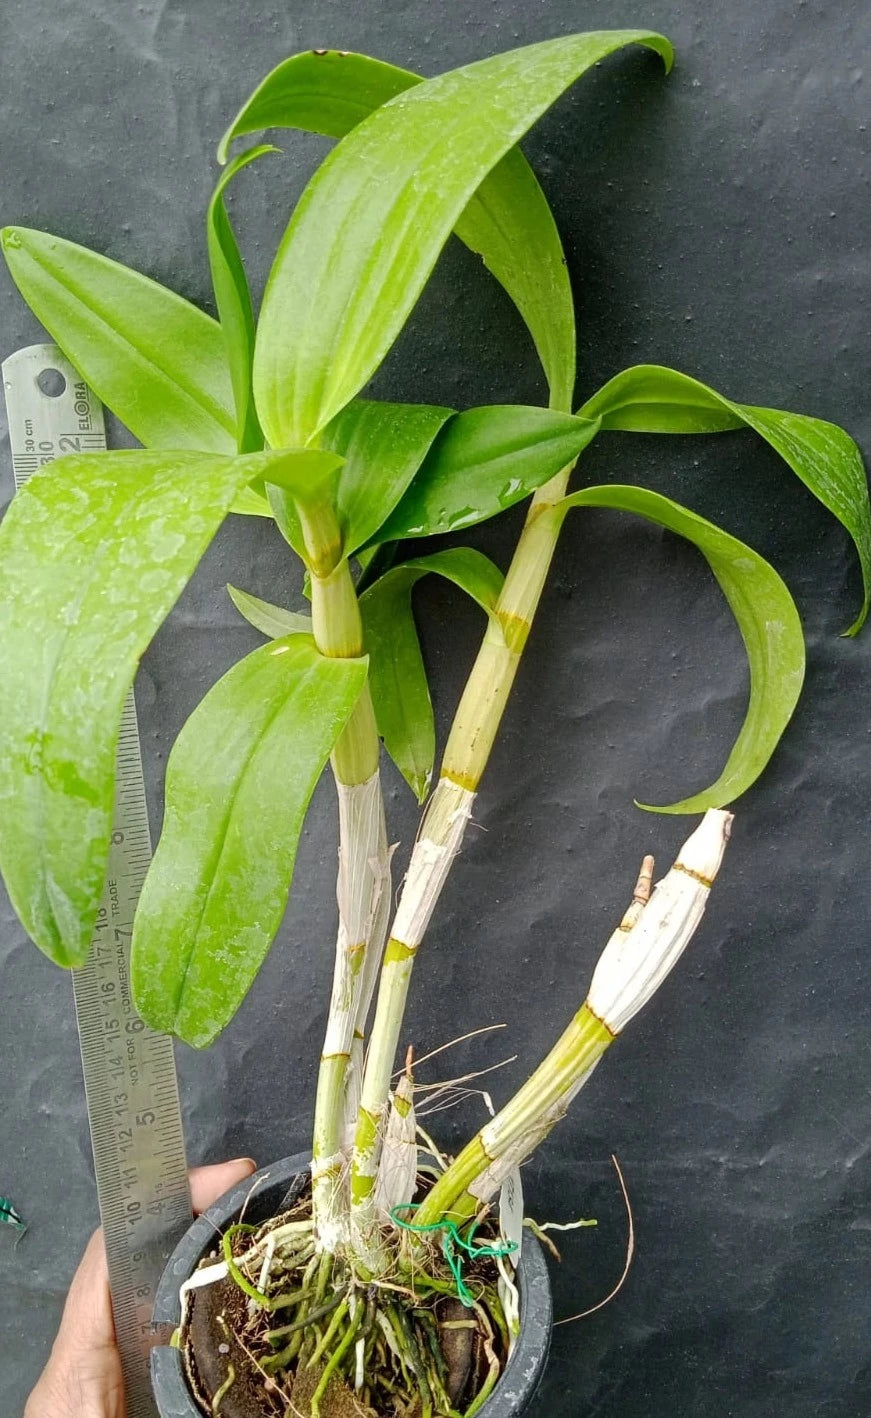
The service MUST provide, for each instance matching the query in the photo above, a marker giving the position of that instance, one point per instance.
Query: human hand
(83, 1378)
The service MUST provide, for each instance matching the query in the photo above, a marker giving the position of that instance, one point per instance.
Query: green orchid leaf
(484, 461)
(154, 359)
(94, 551)
(294, 476)
(507, 222)
(766, 617)
(396, 673)
(649, 398)
(327, 92)
(233, 299)
(238, 784)
(383, 446)
(302, 473)
(251, 503)
(365, 556)
(374, 561)
(372, 221)
(282, 508)
(397, 678)
(307, 474)
(271, 620)
(652, 399)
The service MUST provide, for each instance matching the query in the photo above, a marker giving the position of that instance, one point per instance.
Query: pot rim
(512, 1394)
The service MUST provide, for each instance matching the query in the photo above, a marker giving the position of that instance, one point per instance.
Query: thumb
(208, 1183)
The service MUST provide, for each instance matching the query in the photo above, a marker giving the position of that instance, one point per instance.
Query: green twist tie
(452, 1243)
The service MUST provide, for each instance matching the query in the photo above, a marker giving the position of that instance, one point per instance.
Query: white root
(290, 1238)
(264, 1271)
(207, 1275)
(510, 1297)
(387, 1330)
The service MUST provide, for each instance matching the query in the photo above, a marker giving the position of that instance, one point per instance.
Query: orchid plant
(262, 416)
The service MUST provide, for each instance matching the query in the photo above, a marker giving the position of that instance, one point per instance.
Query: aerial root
(323, 1342)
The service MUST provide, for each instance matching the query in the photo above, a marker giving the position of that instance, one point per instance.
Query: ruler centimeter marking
(129, 1070)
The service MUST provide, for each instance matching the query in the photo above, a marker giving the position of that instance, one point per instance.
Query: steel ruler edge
(129, 1070)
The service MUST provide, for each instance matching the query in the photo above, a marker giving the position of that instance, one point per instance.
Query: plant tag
(511, 1213)
(510, 1201)
(129, 1070)
(511, 1230)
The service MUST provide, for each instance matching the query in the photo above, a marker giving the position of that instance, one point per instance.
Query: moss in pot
(353, 1302)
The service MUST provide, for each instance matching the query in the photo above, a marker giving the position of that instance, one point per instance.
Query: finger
(83, 1373)
(87, 1317)
(208, 1183)
(84, 1352)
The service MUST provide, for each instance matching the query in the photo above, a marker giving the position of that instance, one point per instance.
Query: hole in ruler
(51, 382)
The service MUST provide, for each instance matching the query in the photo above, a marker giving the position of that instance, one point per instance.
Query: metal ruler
(130, 1080)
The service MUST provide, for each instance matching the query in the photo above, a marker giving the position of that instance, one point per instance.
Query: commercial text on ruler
(87, 436)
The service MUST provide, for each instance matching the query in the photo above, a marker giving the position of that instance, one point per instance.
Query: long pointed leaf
(484, 461)
(372, 221)
(383, 446)
(397, 678)
(233, 299)
(305, 475)
(308, 474)
(269, 619)
(508, 222)
(650, 398)
(153, 358)
(766, 617)
(238, 784)
(251, 504)
(94, 551)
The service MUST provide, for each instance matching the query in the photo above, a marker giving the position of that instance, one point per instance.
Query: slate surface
(717, 222)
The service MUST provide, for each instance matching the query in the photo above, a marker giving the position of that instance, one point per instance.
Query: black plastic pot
(513, 1394)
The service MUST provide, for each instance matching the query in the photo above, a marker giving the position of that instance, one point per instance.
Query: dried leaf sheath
(363, 877)
(397, 1173)
(641, 952)
(439, 841)
(363, 893)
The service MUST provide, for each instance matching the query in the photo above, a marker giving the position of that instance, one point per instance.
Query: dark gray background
(715, 221)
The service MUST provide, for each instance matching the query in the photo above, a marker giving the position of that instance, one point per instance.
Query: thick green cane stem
(521, 1125)
(480, 710)
(474, 729)
(338, 633)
